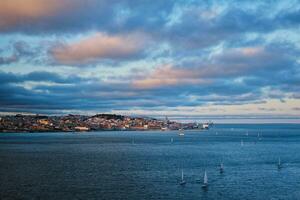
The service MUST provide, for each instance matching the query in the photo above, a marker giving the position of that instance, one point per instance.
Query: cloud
(167, 75)
(290, 18)
(8, 59)
(19, 50)
(171, 54)
(196, 24)
(99, 46)
(39, 76)
(61, 16)
(202, 25)
(15, 93)
(230, 63)
(15, 13)
(45, 92)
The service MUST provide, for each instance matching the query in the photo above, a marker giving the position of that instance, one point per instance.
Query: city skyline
(197, 58)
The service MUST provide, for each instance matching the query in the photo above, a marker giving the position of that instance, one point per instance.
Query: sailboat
(279, 165)
(221, 168)
(242, 143)
(171, 140)
(205, 180)
(182, 182)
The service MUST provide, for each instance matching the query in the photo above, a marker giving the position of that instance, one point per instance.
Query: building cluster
(70, 123)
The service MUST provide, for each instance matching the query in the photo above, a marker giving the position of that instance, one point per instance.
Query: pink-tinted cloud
(233, 62)
(99, 46)
(18, 12)
(167, 75)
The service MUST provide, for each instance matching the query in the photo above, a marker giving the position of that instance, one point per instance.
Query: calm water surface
(147, 165)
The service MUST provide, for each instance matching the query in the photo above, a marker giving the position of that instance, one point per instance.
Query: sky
(145, 57)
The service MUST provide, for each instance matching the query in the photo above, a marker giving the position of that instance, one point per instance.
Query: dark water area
(147, 165)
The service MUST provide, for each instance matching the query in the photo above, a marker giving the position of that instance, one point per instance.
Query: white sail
(221, 168)
(182, 182)
(182, 175)
(205, 181)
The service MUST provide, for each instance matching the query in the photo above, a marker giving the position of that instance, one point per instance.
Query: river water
(147, 165)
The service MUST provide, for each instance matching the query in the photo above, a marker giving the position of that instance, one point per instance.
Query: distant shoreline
(82, 123)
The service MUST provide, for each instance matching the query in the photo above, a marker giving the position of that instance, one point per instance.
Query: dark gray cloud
(196, 31)
(290, 18)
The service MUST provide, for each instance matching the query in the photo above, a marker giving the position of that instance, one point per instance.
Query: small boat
(182, 182)
(172, 140)
(205, 126)
(221, 168)
(279, 165)
(164, 128)
(205, 181)
(181, 133)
